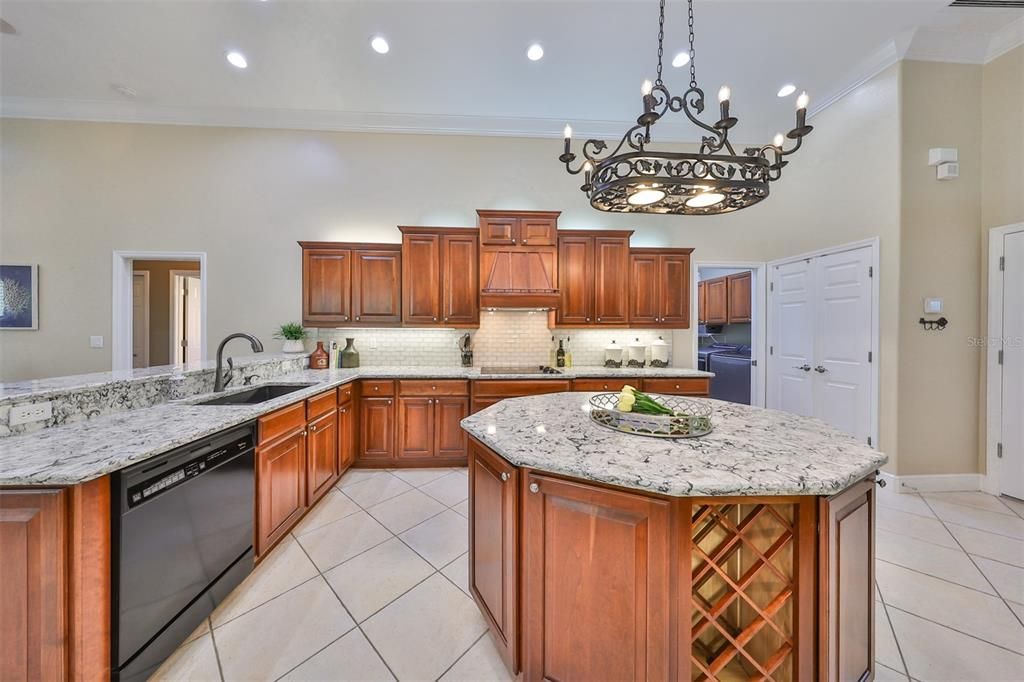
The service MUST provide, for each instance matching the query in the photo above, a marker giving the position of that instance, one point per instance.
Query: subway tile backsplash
(505, 338)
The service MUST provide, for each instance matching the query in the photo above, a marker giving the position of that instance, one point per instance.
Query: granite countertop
(751, 451)
(81, 451)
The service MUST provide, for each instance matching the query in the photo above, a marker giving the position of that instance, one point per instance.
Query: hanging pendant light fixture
(715, 179)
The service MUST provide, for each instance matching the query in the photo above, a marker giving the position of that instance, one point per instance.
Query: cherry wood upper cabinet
(717, 292)
(377, 285)
(460, 279)
(421, 278)
(440, 277)
(847, 575)
(499, 230)
(538, 230)
(594, 574)
(739, 297)
(611, 279)
(659, 288)
(518, 228)
(702, 302)
(575, 280)
(326, 285)
(518, 259)
(593, 278)
(493, 547)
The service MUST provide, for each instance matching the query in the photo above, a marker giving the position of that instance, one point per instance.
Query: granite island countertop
(751, 451)
(81, 451)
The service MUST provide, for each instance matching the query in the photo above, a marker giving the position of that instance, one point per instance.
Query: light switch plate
(932, 306)
(32, 412)
(95, 342)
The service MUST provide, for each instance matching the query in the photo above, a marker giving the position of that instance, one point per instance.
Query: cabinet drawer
(688, 386)
(433, 387)
(281, 422)
(603, 384)
(321, 404)
(345, 394)
(376, 389)
(513, 387)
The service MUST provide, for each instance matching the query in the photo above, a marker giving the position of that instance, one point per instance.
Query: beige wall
(160, 304)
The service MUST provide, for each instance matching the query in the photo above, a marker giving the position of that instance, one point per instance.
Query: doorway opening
(159, 309)
(731, 329)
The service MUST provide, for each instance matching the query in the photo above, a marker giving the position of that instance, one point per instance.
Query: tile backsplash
(505, 337)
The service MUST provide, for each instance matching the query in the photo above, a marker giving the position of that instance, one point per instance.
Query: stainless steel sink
(260, 394)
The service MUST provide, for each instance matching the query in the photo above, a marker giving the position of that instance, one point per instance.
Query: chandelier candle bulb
(779, 140)
(723, 101)
(567, 133)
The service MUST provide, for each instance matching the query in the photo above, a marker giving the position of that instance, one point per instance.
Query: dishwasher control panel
(204, 460)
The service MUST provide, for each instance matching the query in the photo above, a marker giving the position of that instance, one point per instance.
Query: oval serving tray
(692, 419)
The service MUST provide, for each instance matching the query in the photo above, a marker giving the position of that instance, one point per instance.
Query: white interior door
(1011, 469)
(790, 379)
(140, 319)
(186, 316)
(842, 339)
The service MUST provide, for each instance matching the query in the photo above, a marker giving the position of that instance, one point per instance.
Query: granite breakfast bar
(744, 554)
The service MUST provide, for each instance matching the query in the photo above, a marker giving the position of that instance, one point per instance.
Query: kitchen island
(599, 555)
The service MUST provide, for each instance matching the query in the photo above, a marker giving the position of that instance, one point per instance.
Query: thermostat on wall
(932, 306)
(940, 155)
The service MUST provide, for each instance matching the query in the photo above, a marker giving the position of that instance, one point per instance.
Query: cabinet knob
(588, 319)
(343, 410)
(606, 387)
(599, 319)
(881, 482)
(524, 241)
(357, 318)
(376, 388)
(389, 402)
(534, 488)
(504, 475)
(435, 319)
(430, 401)
(312, 428)
(304, 432)
(344, 317)
(433, 388)
(677, 387)
(513, 241)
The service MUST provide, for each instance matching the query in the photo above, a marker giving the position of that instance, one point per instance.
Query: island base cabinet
(595, 577)
(494, 549)
(847, 573)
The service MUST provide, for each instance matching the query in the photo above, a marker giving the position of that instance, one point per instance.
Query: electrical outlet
(95, 342)
(373, 343)
(32, 412)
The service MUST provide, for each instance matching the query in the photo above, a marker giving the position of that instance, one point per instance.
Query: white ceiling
(455, 66)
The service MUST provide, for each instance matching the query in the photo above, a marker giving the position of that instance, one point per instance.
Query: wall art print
(19, 297)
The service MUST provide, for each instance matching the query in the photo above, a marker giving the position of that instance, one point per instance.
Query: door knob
(534, 488)
(806, 368)
(820, 370)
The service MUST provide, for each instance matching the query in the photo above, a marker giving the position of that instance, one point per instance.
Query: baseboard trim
(935, 483)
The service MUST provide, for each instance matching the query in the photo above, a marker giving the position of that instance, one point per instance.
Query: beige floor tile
(972, 517)
(203, 628)
(375, 490)
(942, 562)
(353, 476)
(1017, 608)
(462, 508)
(449, 490)
(350, 659)
(405, 511)
(912, 525)
(272, 639)
(458, 572)
(195, 661)
(425, 630)
(906, 502)
(374, 578)
(1009, 580)
(287, 566)
(418, 477)
(884, 673)
(989, 545)
(481, 662)
(933, 652)
(440, 539)
(331, 507)
(969, 611)
(978, 500)
(886, 651)
(341, 540)
(1014, 504)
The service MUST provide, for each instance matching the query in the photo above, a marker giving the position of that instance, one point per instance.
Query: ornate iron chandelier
(633, 179)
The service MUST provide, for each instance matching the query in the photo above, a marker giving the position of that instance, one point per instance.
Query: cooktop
(529, 369)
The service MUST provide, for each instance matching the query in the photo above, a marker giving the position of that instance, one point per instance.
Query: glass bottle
(560, 355)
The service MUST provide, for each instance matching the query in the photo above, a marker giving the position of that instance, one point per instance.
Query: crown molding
(874, 64)
(1005, 39)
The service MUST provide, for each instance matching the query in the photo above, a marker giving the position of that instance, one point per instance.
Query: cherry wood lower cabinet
(281, 481)
(429, 413)
(487, 392)
(580, 580)
(322, 444)
(347, 441)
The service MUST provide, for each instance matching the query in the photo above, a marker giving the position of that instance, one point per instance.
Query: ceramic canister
(659, 353)
(613, 355)
(637, 354)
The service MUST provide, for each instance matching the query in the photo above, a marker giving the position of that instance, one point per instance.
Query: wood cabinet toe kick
(580, 580)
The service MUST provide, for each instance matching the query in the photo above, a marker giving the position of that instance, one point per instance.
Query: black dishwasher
(182, 536)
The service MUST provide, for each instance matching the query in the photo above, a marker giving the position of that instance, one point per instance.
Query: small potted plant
(293, 335)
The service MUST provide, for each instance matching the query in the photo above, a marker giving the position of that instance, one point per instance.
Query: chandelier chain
(661, 40)
(693, 55)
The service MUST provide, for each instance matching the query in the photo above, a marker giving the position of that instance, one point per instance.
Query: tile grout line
(460, 656)
(892, 629)
(945, 580)
(943, 625)
(216, 651)
(1003, 502)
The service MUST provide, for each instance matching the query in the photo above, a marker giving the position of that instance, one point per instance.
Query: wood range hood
(519, 259)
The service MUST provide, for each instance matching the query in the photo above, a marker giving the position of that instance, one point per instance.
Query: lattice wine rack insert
(744, 575)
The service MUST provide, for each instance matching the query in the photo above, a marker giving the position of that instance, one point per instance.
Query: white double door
(820, 335)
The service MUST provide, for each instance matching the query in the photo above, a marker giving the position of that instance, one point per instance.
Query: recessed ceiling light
(535, 52)
(379, 45)
(705, 199)
(787, 90)
(681, 59)
(237, 59)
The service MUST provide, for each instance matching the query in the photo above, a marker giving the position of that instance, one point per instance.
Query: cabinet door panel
(377, 428)
(493, 550)
(415, 428)
(702, 303)
(281, 485)
(460, 280)
(537, 231)
(717, 291)
(421, 279)
(575, 280)
(847, 548)
(376, 287)
(739, 297)
(675, 290)
(326, 286)
(611, 280)
(322, 456)
(645, 306)
(595, 572)
(499, 231)
(346, 437)
(449, 438)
